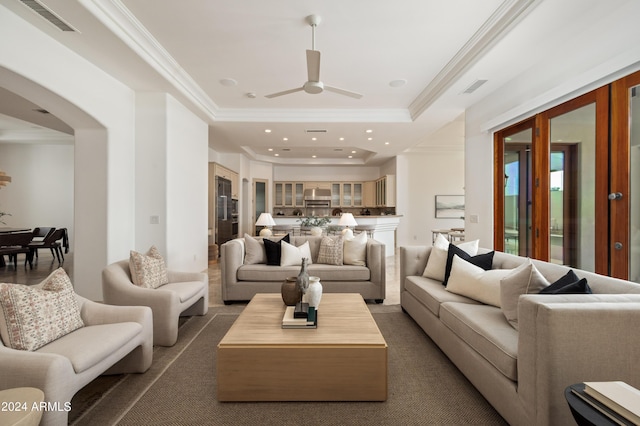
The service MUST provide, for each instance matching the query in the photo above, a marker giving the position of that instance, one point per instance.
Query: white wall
(41, 190)
(420, 176)
(325, 173)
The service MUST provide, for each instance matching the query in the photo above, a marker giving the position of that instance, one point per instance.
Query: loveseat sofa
(242, 280)
(561, 339)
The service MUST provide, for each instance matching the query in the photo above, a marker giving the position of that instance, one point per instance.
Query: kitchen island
(384, 227)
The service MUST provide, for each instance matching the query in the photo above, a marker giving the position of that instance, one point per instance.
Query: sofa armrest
(413, 260)
(566, 339)
(181, 276)
(376, 262)
(231, 258)
(94, 313)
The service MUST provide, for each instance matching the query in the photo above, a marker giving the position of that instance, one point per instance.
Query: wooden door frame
(620, 172)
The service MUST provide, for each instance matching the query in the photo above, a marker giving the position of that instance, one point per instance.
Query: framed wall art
(449, 206)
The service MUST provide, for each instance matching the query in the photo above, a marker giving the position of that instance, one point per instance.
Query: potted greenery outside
(3, 214)
(315, 223)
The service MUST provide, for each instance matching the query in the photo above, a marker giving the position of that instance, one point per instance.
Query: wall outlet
(154, 220)
(415, 237)
(474, 218)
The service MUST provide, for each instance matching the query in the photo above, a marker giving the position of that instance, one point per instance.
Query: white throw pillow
(525, 279)
(355, 251)
(475, 283)
(254, 251)
(148, 271)
(292, 255)
(437, 262)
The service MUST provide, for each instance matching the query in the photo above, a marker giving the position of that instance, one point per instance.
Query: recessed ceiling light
(277, 155)
(341, 139)
(351, 156)
(386, 143)
(397, 83)
(370, 139)
(229, 82)
(314, 139)
(285, 139)
(353, 152)
(313, 156)
(270, 149)
(369, 131)
(267, 130)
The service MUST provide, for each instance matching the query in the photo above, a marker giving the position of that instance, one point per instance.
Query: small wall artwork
(449, 206)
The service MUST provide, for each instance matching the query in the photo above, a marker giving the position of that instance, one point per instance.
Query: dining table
(9, 230)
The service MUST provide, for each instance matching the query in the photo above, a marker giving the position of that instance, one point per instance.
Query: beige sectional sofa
(560, 340)
(241, 281)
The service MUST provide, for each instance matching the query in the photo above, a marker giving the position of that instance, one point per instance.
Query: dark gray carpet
(180, 388)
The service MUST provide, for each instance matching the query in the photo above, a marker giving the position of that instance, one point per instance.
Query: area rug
(180, 388)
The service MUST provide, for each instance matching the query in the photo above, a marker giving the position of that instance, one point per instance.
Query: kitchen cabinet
(386, 191)
(317, 184)
(336, 194)
(369, 194)
(220, 170)
(347, 194)
(288, 194)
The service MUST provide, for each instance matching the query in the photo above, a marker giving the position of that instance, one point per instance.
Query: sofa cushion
(525, 279)
(292, 255)
(263, 273)
(254, 251)
(148, 270)
(355, 250)
(274, 250)
(437, 262)
(33, 316)
(89, 345)
(485, 329)
(469, 280)
(331, 249)
(185, 290)
(431, 293)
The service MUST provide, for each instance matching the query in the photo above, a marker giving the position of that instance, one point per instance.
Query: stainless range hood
(317, 194)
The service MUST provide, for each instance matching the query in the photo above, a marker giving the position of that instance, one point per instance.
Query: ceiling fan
(314, 85)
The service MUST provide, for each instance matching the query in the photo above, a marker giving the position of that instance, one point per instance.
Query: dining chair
(54, 242)
(15, 243)
(40, 233)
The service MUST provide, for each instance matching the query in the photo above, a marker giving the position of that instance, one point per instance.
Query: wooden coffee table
(344, 359)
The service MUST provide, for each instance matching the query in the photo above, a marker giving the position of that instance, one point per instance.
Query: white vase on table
(314, 292)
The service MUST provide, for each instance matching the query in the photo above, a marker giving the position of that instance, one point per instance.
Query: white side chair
(186, 294)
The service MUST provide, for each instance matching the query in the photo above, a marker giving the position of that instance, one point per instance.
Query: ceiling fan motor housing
(313, 87)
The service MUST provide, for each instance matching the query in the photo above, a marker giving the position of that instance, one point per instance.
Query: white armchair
(114, 340)
(186, 294)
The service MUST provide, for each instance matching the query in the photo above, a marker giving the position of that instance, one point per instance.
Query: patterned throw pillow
(331, 250)
(33, 316)
(148, 271)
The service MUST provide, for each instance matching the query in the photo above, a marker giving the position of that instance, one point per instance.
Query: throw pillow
(568, 278)
(484, 261)
(331, 249)
(254, 251)
(525, 279)
(273, 250)
(437, 262)
(292, 255)
(148, 270)
(33, 316)
(476, 283)
(355, 251)
(578, 287)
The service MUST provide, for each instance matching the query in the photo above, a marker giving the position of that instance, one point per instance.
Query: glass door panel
(517, 193)
(572, 195)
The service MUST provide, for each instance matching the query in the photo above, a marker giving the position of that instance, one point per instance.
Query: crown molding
(115, 16)
(494, 28)
(315, 115)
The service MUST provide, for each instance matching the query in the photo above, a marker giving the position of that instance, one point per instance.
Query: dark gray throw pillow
(484, 261)
(568, 278)
(274, 250)
(568, 284)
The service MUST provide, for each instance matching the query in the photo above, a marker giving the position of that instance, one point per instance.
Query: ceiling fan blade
(313, 65)
(342, 92)
(286, 92)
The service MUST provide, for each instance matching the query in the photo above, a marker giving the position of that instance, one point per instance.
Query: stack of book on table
(617, 400)
(288, 320)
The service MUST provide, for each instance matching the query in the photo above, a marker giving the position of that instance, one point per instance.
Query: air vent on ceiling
(41, 111)
(47, 14)
(316, 130)
(474, 86)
